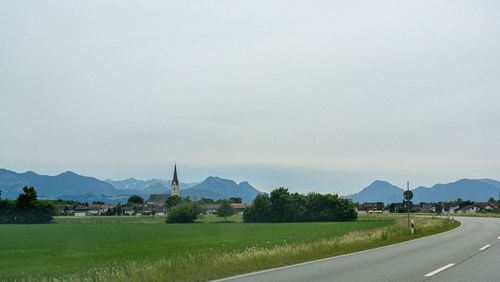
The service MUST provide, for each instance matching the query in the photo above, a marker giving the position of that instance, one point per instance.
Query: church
(159, 199)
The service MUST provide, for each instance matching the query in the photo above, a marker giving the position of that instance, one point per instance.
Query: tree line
(26, 208)
(283, 206)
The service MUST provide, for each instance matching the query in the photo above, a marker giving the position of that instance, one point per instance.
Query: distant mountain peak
(378, 191)
(378, 182)
(219, 188)
(467, 189)
(68, 173)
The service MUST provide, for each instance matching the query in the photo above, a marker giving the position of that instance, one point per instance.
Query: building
(238, 208)
(370, 207)
(81, 211)
(175, 182)
(157, 199)
(450, 206)
(488, 206)
(66, 209)
(468, 209)
(209, 209)
(126, 210)
(424, 208)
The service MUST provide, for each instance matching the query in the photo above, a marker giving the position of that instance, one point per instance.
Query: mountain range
(478, 190)
(71, 186)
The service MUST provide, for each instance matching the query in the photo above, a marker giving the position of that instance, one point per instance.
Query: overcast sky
(323, 96)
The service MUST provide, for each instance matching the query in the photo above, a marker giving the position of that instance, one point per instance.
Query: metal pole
(408, 202)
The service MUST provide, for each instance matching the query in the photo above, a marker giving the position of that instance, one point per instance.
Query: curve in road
(470, 252)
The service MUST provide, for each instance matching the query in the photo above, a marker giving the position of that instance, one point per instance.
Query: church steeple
(175, 182)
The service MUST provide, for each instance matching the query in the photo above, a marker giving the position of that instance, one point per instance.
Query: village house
(66, 209)
(239, 207)
(128, 210)
(450, 206)
(487, 206)
(370, 207)
(95, 210)
(81, 211)
(209, 209)
(468, 209)
(424, 208)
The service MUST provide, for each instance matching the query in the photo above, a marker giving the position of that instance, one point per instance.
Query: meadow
(75, 245)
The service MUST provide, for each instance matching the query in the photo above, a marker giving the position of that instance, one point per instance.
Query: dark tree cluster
(283, 206)
(184, 212)
(26, 208)
(135, 199)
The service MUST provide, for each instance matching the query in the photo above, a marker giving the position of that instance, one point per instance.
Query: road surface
(470, 252)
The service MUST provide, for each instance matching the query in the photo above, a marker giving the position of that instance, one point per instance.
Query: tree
(204, 201)
(235, 200)
(491, 200)
(135, 199)
(279, 199)
(439, 208)
(172, 201)
(118, 209)
(184, 212)
(28, 199)
(224, 210)
(97, 203)
(259, 211)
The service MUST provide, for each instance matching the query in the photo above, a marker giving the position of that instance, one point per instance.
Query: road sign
(407, 204)
(408, 195)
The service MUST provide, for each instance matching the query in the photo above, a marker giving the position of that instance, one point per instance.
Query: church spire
(175, 180)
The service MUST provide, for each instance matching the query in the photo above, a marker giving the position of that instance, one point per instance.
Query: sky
(322, 96)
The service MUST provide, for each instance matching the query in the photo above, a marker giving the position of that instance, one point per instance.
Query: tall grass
(206, 266)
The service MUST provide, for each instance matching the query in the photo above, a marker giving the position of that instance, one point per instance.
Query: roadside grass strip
(485, 247)
(439, 270)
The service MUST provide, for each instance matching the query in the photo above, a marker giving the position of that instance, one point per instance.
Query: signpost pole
(407, 196)
(408, 202)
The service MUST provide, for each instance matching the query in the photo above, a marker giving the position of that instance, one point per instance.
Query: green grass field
(74, 245)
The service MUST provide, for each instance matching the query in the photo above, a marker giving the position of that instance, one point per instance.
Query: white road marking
(485, 247)
(439, 270)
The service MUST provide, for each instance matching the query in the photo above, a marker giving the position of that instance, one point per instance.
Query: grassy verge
(463, 214)
(217, 264)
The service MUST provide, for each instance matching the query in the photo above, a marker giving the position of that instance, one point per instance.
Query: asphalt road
(462, 254)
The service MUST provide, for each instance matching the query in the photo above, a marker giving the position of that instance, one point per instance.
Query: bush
(184, 212)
